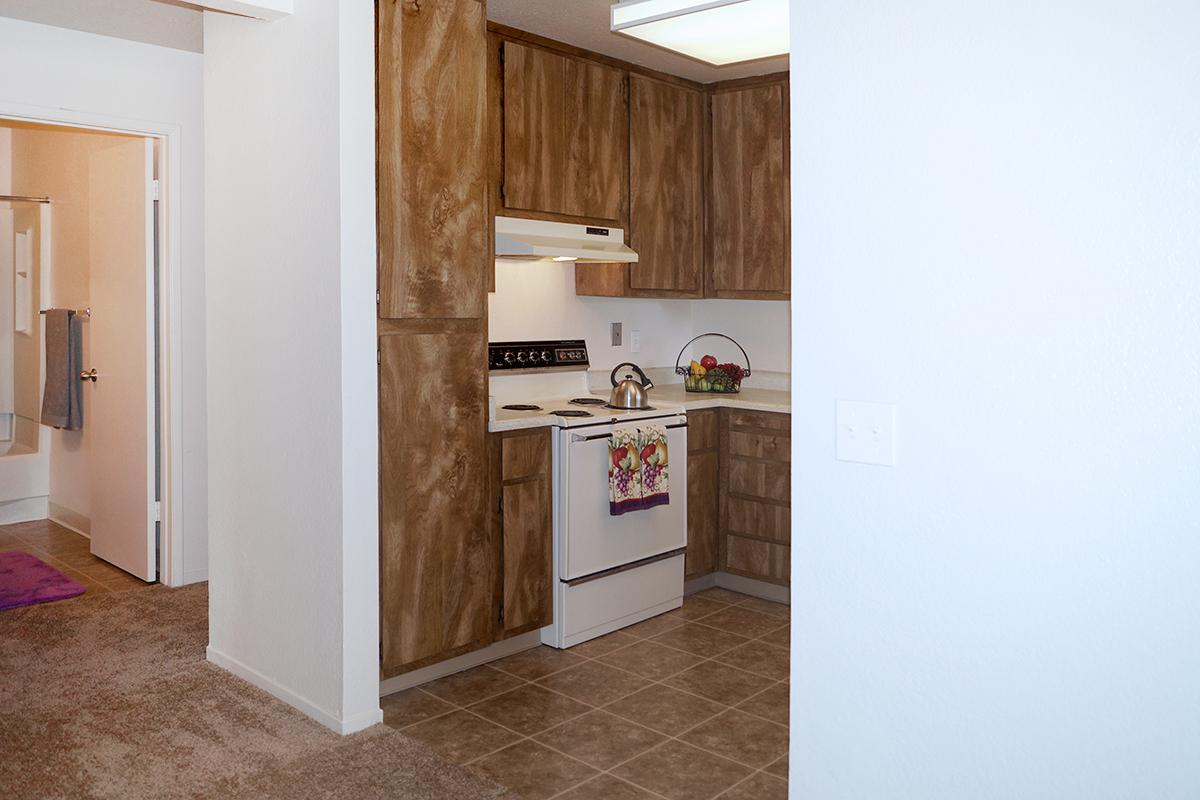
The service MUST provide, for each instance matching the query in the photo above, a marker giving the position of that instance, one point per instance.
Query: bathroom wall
(537, 300)
(54, 162)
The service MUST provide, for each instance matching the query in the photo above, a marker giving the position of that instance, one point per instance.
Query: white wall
(289, 136)
(537, 300)
(82, 75)
(997, 228)
(150, 21)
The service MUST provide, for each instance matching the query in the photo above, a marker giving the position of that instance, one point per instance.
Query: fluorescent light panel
(717, 31)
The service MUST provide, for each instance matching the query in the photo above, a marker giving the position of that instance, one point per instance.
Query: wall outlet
(616, 333)
(635, 341)
(866, 432)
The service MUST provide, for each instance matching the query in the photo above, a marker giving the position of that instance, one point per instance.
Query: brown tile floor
(67, 552)
(689, 705)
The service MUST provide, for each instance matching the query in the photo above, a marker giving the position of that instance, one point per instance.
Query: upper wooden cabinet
(565, 125)
(749, 206)
(434, 247)
(666, 187)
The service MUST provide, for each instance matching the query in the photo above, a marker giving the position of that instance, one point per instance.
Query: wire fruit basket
(710, 376)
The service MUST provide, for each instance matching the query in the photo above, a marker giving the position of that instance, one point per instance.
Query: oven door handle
(575, 437)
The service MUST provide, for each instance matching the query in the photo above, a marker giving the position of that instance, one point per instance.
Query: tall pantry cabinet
(437, 559)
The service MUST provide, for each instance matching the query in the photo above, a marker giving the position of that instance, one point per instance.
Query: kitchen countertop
(749, 399)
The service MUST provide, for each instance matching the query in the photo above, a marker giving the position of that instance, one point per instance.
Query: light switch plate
(615, 328)
(866, 432)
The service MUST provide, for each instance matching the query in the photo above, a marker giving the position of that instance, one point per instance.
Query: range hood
(535, 240)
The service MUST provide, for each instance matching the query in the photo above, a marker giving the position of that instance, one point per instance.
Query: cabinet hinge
(501, 191)
(502, 54)
(500, 619)
(500, 504)
(378, 357)
(376, 297)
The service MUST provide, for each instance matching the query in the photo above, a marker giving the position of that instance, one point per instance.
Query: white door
(119, 344)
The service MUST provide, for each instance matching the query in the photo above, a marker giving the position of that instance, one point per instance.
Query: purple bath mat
(26, 579)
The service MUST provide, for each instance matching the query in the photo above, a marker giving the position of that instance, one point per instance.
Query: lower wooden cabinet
(739, 494)
(466, 553)
(526, 534)
(704, 493)
(756, 478)
(436, 561)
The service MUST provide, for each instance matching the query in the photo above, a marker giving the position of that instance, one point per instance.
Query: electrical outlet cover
(866, 432)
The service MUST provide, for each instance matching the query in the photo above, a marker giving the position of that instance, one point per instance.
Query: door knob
(89, 375)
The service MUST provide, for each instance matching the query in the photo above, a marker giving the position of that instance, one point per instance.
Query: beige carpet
(110, 697)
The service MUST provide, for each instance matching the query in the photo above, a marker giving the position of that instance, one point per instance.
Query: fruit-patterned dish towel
(624, 472)
(656, 480)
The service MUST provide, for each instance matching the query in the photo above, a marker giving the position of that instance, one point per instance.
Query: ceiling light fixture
(716, 31)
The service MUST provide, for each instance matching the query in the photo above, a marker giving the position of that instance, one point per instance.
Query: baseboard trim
(767, 591)
(493, 652)
(27, 509)
(700, 584)
(195, 576)
(350, 725)
(737, 583)
(71, 520)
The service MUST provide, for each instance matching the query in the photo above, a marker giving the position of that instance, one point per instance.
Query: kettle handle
(646, 382)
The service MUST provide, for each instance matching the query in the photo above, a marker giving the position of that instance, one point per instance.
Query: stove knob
(508, 357)
(546, 356)
(520, 357)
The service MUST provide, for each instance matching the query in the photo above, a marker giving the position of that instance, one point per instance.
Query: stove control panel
(538, 355)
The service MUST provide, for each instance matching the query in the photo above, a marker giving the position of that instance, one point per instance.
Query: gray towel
(62, 402)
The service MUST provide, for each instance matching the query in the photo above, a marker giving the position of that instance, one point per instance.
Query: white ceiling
(169, 23)
(584, 23)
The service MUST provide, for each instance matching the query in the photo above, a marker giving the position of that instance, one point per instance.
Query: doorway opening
(80, 409)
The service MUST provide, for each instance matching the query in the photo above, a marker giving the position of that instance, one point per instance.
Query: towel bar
(79, 312)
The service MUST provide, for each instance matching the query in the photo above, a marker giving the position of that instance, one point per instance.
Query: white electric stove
(609, 571)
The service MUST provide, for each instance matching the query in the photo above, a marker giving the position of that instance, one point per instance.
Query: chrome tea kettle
(628, 393)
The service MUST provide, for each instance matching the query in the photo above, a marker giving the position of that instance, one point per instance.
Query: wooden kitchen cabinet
(704, 493)
(565, 147)
(437, 548)
(755, 539)
(436, 559)
(739, 494)
(666, 187)
(750, 192)
(432, 160)
(524, 477)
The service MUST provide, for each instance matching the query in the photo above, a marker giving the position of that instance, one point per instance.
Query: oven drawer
(593, 608)
(590, 539)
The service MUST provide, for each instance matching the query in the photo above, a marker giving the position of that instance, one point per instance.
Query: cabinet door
(437, 558)
(434, 250)
(527, 531)
(750, 194)
(565, 135)
(703, 514)
(756, 495)
(666, 151)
